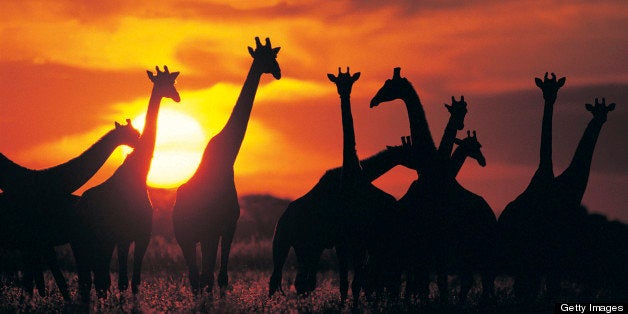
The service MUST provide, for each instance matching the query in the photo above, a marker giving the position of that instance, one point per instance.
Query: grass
(169, 291)
(165, 288)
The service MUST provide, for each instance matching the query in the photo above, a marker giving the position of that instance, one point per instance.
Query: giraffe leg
(123, 254)
(28, 274)
(50, 257)
(209, 250)
(358, 257)
(343, 273)
(443, 287)
(225, 246)
(102, 279)
(488, 285)
(141, 245)
(466, 282)
(189, 254)
(313, 269)
(83, 269)
(300, 282)
(40, 283)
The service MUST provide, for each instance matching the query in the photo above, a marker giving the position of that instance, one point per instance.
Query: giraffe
(572, 183)
(426, 154)
(206, 208)
(567, 190)
(118, 211)
(432, 207)
(522, 223)
(474, 225)
(34, 220)
(67, 177)
(362, 205)
(34, 232)
(311, 223)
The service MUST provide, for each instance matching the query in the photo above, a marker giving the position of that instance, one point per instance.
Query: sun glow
(178, 149)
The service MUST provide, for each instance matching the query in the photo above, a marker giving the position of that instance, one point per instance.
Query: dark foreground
(169, 292)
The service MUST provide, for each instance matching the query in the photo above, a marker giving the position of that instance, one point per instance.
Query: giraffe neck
(225, 146)
(377, 165)
(457, 160)
(138, 162)
(61, 179)
(447, 141)
(76, 172)
(350, 161)
(545, 158)
(577, 174)
(420, 132)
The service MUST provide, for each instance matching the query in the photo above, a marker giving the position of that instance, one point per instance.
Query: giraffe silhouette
(474, 226)
(68, 177)
(523, 247)
(564, 201)
(468, 224)
(412, 228)
(206, 208)
(35, 220)
(338, 211)
(443, 223)
(538, 227)
(311, 223)
(362, 205)
(118, 211)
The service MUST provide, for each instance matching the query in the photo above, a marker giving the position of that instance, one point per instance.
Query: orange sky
(68, 70)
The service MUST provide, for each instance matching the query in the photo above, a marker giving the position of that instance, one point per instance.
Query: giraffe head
(471, 148)
(164, 82)
(396, 88)
(457, 110)
(265, 58)
(550, 86)
(600, 110)
(344, 81)
(126, 134)
(404, 154)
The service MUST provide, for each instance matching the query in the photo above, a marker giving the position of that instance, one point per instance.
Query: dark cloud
(509, 125)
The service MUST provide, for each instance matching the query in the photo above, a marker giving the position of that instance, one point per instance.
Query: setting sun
(178, 150)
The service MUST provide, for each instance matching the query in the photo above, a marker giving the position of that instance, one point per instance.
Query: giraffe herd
(437, 228)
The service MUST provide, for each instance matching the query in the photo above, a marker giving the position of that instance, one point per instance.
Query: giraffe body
(118, 211)
(36, 216)
(442, 223)
(206, 208)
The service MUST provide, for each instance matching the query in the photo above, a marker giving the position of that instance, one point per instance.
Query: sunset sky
(69, 69)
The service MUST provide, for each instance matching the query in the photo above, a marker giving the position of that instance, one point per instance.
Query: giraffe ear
(561, 81)
(458, 141)
(150, 75)
(448, 107)
(117, 124)
(276, 50)
(538, 82)
(611, 107)
(175, 74)
(331, 77)
(251, 52)
(356, 76)
(589, 107)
